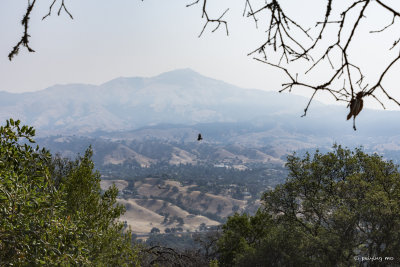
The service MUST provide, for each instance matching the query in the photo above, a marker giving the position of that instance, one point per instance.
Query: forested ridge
(340, 208)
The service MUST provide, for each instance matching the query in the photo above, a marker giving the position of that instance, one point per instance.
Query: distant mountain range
(177, 105)
(176, 97)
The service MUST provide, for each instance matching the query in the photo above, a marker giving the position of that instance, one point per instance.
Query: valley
(143, 132)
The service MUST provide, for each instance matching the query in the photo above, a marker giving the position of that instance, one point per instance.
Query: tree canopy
(52, 211)
(341, 208)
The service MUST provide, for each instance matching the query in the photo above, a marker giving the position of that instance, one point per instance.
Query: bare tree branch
(25, 37)
(62, 7)
(218, 21)
(285, 40)
(25, 23)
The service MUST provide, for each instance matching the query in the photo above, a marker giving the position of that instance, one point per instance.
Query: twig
(25, 37)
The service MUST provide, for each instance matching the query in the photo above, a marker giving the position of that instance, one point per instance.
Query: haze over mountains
(184, 97)
(177, 97)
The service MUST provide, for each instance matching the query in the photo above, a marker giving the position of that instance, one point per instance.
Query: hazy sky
(109, 39)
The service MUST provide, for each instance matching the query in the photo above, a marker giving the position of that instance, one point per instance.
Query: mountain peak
(184, 71)
(180, 75)
(177, 76)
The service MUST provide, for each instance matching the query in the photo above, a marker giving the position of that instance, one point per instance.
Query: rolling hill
(146, 128)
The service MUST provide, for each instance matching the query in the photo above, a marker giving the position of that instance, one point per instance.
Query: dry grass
(120, 184)
(149, 208)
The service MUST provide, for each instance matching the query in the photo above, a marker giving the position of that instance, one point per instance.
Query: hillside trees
(334, 209)
(329, 46)
(52, 209)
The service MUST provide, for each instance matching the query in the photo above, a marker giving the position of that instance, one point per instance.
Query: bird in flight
(199, 138)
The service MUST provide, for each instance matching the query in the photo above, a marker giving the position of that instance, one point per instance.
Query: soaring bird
(356, 105)
(199, 138)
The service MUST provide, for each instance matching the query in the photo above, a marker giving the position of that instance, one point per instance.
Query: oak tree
(333, 210)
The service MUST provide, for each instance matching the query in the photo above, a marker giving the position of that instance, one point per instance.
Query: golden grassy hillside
(160, 205)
